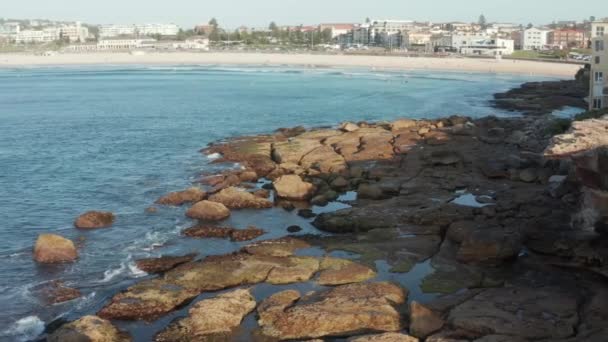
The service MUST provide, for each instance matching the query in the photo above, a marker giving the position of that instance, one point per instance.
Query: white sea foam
(126, 267)
(25, 329)
(214, 156)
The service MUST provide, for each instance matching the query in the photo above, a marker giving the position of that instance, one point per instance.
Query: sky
(259, 13)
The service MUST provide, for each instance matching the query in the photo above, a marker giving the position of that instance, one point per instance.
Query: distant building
(598, 90)
(535, 39)
(489, 47)
(194, 43)
(337, 29)
(416, 38)
(114, 44)
(9, 30)
(361, 35)
(112, 31)
(567, 38)
(74, 33)
(599, 28)
(45, 35)
(518, 39)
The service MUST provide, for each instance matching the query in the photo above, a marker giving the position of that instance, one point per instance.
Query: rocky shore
(510, 221)
(540, 98)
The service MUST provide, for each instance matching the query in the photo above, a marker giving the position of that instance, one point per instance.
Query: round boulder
(94, 219)
(51, 248)
(208, 211)
(292, 187)
(191, 195)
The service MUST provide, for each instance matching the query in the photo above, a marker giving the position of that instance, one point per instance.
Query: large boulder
(51, 248)
(208, 211)
(235, 198)
(342, 311)
(88, 328)
(177, 198)
(530, 313)
(292, 187)
(94, 219)
(211, 318)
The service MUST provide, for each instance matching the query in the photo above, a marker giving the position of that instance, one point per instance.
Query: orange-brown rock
(234, 198)
(342, 311)
(292, 187)
(89, 328)
(424, 321)
(51, 248)
(177, 198)
(208, 211)
(94, 219)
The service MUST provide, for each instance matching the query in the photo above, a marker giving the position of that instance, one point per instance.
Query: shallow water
(116, 138)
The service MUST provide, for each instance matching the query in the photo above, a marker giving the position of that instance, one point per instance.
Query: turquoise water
(116, 138)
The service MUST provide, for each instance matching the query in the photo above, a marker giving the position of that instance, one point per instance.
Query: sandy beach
(377, 62)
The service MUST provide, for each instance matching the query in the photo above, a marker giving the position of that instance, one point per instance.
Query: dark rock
(294, 229)
(306, 213)
(164, 263)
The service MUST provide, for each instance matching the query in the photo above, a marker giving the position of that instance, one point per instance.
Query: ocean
(116, 138)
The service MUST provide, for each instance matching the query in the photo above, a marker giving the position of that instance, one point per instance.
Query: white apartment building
(74, 33)
(201, 44)
(157, 29)
(489, 47)
(535, 39)
(109, 31)
(599, 28)
(598, 90)
(337, 29)
(9, 30)
(46, 35)
(381, 30)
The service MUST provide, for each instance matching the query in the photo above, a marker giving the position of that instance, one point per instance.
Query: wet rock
(370, 191)
(279, 247)
(234, 234)
(460, 230)
(262, 193)
(88, 328)
(494, 169)
(164, 263)
(403, 124)
(386, 337)
(94, 219)
(293, 150)
(56, 292)
(51, 248)
(296, 269)
(445, 157)
(292, 187)
(489, 246)
(214, 319)
(325, 160)
(234, 198)
(319, 200)
(342, 271)
(340, 183)
(342, 311)
(306, 213)
(208, 211)
(348, 127)
(528, 175)
(191, 195)
(424, 321)
(248, 176)
(532, 313)
(294, 229)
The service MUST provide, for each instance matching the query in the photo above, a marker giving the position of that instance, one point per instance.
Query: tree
(368, 20)
(273, 26)
(214, 35)
(482, 21)
(530, 25)
(213, 22)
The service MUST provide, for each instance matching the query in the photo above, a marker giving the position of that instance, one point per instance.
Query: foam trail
(25, 329)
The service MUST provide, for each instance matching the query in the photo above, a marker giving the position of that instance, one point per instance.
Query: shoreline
(455, 208)
(514, 67)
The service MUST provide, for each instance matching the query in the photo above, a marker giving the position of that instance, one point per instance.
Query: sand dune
(309, 60)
